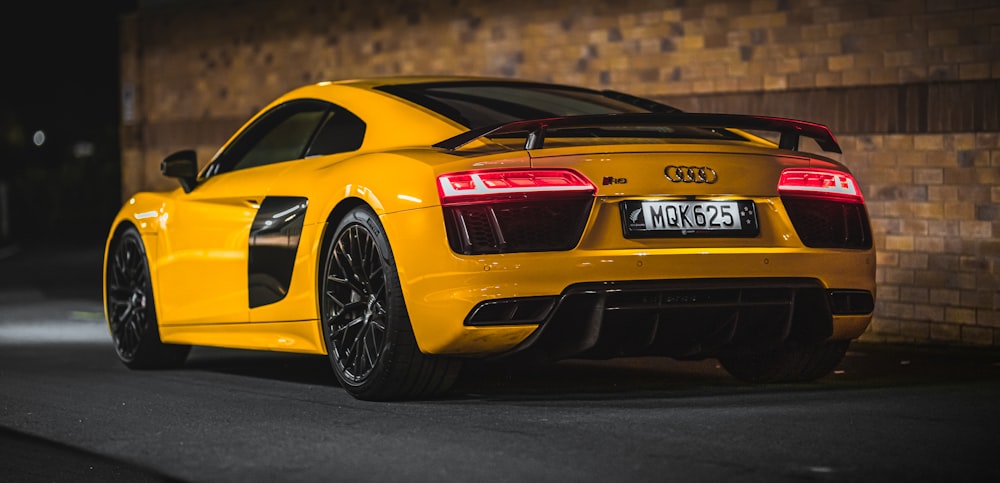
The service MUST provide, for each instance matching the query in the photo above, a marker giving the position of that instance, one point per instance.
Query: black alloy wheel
(130, 309)
(365, 324)
(356, 292)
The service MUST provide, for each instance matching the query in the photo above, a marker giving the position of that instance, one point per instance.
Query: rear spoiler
(790, 130)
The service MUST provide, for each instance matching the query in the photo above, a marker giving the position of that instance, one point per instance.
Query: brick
(838, 63)
(943, 228)
(945, 296)
(887, 258)
(976, 229)
(928, 210)
(891, 175)
(882, 325)
(960, 211)
(775, 82)
(913, 74)
(942, 261)
(942, 193)
(946, 332)
(828, 79)
(988, 212)
(989, 317)
(980, 299)
(974, 194)
(986, 175)
(899, 242)
(978, 336)
(929, 142)
(913, 294)
(884, 75)
(960, 315)
(928, 313)
(902, 58)
(960, 141)
(938, 38)
(888, 293)
(921, 158)
(915, 227)
(991, 250)
(898, 276)
(855, 77)
(965, 281)
(987, 140)
(957, 56)
(915, 330)
(915, 261)
(930, 278)
(928, 175)
(931, 244)
(899, 142)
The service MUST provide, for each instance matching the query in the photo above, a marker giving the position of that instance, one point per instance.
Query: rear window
(477, 104)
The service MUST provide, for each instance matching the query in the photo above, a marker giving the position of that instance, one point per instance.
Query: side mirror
(182, 165)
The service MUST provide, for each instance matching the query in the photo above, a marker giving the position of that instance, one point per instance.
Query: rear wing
(790, 130)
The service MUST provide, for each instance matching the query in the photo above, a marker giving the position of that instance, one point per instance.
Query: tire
(365, 325)
(790, 363)
(131, 310)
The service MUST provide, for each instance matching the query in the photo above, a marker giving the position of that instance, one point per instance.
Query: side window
(342, 132)
(281, 134)
(285, 142)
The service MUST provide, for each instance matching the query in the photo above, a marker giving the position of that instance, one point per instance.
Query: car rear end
(688, 243)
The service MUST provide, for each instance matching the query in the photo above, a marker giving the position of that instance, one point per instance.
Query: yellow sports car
(403, 225)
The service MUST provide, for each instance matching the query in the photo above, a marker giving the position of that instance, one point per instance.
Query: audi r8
(403, 226)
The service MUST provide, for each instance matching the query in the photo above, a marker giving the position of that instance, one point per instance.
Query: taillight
(520, 210)
(826, 208)
(478, 186)
(820, 183)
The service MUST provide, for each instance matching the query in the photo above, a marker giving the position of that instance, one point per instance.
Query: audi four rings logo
(691, 174)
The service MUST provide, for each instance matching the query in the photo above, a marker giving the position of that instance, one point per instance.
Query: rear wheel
(789, 363)
(365, 324)
(130, 307)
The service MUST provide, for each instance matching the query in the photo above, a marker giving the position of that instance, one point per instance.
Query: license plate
(660, 218)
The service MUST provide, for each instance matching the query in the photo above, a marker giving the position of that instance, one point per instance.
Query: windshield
(477, 104)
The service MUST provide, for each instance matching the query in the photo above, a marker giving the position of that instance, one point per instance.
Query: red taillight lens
(820, 183)
(478, 186)
(515, 210)
(826, 208)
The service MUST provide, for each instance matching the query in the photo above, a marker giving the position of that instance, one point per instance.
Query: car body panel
(199, 242)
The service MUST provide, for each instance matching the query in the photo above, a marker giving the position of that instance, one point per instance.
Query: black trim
(789, 129)
(693, 319)
(274, 239)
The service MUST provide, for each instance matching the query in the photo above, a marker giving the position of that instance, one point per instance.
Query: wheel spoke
(126, 298)
(339, 328)
(354, 303)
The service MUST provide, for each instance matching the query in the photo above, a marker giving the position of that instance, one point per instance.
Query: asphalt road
(69, 411)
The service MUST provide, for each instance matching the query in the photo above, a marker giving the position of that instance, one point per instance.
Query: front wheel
(365, 324)
(789, 363)
(130, 307)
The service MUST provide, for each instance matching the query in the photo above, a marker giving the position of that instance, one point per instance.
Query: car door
(204, 241)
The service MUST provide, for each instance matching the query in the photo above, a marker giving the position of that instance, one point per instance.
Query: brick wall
(910, 87)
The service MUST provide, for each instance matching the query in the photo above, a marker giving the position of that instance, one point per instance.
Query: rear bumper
(443, 289)
(679, 318)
